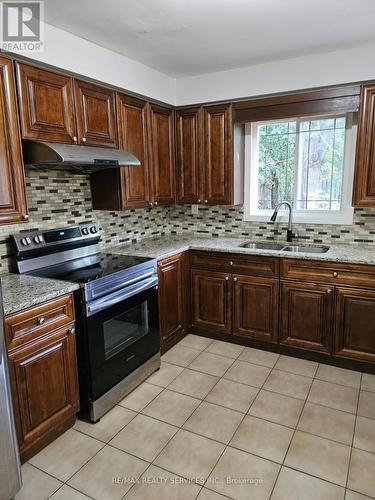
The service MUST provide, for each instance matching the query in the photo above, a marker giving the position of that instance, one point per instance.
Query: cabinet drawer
(358, 275)
(253, 265)
(27, 325)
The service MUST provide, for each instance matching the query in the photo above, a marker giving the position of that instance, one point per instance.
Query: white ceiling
(190, 37)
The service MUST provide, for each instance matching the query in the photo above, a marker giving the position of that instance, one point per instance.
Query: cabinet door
(46, 105)
(355, 324)
(162, 162)
(306, 316)
(211, 301)
(173, 296)
(13, 207)
(255, 307)
(44, 385)
(218, 158)
(96, 115)
(132, 120)
(189, 149)
(364, 182)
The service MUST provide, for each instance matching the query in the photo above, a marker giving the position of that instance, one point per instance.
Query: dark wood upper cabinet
(173, 298)
(13, 206)
(46, 105)
(189, 143)
(255, 307)
(218, 159)
(306, 316)
(211, 301)
(96, 115)
(162, 159)
(364, 181)
(354, 324)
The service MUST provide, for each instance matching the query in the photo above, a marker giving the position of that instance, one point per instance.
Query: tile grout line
(354, 431)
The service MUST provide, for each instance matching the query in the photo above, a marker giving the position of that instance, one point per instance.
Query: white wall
(329, 68)
(72, 53)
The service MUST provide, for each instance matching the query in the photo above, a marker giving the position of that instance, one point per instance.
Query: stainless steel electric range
(118, 339)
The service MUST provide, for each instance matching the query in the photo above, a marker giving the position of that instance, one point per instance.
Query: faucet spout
(289, 234)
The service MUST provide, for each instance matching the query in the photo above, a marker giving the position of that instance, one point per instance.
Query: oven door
(121, 337)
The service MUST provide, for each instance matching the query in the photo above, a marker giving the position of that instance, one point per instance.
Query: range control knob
(93, 229)
(24, 242)
(38, 239)
(85, 230)
(28, 240)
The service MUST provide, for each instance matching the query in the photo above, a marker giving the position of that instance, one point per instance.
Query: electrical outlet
(194, 209)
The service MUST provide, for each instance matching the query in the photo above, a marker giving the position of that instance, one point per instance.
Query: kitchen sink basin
(279, 247)
(303, 249)
(262, 245)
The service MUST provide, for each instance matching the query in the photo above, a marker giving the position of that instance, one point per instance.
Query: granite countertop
(161, 248)
(21, 291)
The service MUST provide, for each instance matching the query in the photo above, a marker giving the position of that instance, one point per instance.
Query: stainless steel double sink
(279, 247)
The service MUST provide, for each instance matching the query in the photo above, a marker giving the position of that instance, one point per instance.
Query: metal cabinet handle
(335, 274)
(206, 201)
(75, 138)
(72, 331)
(41, 320)
(226, 278)
(84, 139)
(156, 203)
(231, 263)
(199, 201)
(151, 204)
(329, 290)
(235, 279)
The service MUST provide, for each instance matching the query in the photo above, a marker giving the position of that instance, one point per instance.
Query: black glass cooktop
(90, 268)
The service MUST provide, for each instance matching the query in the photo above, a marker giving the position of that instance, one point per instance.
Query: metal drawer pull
(226, 278)
(329, 290)
(235, 279)
(335, 274)
(84, 139)
(72, 331)
(231, 263)
(41, 320)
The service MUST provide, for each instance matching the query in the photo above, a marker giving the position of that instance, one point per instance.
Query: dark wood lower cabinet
(306, 316)
(174, 293)
(211, 300)
(255, 307)
(45, 389)
(355, 324)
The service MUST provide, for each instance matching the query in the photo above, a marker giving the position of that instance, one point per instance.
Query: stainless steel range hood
(80, 159)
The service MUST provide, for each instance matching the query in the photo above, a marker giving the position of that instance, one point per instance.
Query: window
(308, 161)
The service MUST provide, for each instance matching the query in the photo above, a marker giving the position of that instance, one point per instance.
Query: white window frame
(342, 216)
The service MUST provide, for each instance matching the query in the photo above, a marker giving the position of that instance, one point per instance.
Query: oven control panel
(32, 240)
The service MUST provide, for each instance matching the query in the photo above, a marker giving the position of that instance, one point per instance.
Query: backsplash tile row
(59, 199)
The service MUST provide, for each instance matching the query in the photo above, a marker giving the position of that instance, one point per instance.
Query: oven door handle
(116, 297)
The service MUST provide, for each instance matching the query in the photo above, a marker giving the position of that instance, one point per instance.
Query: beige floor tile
(368, 382)
(109, 475)
(361, 472)
(36, 484)
(206, 494)
(172, 407)
(64, 456)
(193, 383)
(108, 426)
(366, 405)
(334, 396)
(247, 373)
(165, 375)
(297, 366)
(141, 396)
(68, 493)
(232, 395)
(328, 423)
(277, 408)
(242, 476)
(364, 436)
(338, 375)
(144, 437)
(259, 357)
(180, 355)
(262, 438)
(157, 484)
(294, 485)
(190, 455)
(196, 342)
(225, 349)
(288, 384)
(211, 364)
(352, 495)
(319, 457)
(214, 422)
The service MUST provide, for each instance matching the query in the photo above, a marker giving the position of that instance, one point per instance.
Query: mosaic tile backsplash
(58, 199)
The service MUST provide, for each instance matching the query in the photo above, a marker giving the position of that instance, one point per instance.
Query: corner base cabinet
(43, 373)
